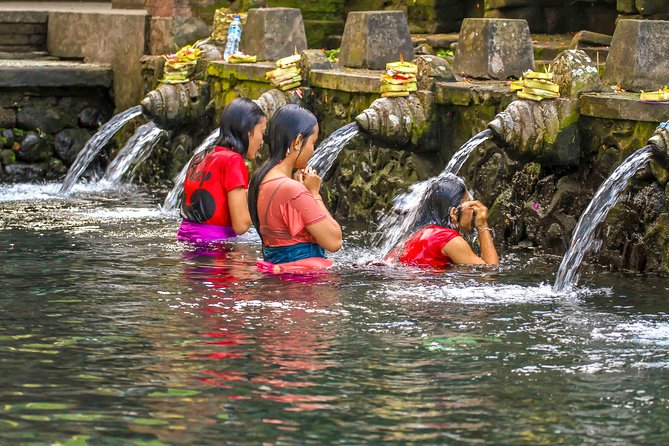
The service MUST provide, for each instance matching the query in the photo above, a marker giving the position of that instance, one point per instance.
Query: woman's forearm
(488, 251)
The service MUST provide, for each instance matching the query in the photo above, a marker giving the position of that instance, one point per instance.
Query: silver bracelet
(492, 231)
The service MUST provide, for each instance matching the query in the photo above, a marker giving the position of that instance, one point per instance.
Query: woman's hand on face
(311, 180)
(480, 210)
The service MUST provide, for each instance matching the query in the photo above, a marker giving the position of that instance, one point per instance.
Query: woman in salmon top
(447, 212)
(284, 195)
(215, 205)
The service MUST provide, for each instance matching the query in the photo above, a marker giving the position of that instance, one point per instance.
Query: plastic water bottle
(234, 36)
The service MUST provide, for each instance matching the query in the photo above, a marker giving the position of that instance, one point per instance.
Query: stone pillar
(273, 33)
(494, 49)
(638, 55)
(373, 38)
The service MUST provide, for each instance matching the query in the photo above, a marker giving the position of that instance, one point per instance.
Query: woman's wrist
(316, 196)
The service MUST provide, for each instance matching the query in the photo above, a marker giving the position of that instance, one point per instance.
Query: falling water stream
(172, 200)
(138, 147)
(397, 225)
(328, 150)
(95, 144)
(606, 196)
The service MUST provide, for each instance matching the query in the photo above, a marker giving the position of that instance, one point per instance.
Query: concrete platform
(49, 73)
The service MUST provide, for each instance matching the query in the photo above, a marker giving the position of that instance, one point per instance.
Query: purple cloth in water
(193, 232)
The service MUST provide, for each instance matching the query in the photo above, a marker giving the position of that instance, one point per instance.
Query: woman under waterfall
(215, 198)
(447, 212)
(289, 214)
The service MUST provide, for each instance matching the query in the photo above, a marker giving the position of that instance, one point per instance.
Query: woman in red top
(215, 204)
(448, 210)
(289, 213)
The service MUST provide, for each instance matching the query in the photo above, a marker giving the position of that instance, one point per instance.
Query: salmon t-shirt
(285, 209)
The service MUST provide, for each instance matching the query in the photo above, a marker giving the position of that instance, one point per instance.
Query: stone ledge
(626, 106)
(353, 81)
(472, 93)
(40, 73)
(19, 16)
(240, 71)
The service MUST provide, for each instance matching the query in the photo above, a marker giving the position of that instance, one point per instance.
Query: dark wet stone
(25, 172)
(54, 168)
(373, 38)
(7, 156)
(652, 7)
(69, 143)
(7, 138)
(44, 117)
(7, 118)
(34, 148)
(91, 117)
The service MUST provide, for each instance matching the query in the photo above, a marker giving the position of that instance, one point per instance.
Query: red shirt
(285, 209)
(424, 247)
(209, 179)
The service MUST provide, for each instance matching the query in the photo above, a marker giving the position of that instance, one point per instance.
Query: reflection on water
(113, 333)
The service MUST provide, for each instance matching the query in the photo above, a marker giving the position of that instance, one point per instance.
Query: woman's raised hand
(481, 212)
(310, 179)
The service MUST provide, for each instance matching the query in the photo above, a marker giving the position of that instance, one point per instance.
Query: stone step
(26, 55)
(51, 73)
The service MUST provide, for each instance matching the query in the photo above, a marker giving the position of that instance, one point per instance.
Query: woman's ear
(453, 213)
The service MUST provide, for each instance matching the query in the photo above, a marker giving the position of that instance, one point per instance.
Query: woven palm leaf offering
(536, 86)
(399, 79)
(180, 66)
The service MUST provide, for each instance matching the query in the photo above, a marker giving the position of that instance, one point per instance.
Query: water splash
(396, 226)
(606, 196)
(95, 144)
(172, 200)
(328, 150)
(136, 150)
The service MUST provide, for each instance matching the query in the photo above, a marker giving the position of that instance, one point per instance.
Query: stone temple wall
(43, 129)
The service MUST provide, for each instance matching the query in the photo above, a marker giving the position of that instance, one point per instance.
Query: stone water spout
(173, 105)
(395, 121)
(547, 130)
(660, 140)
(271, 100)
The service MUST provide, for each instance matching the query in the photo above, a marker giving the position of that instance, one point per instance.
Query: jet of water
(172, 200)
(396, 226)
(327, 151)
(138, 147)
(95, 144)
(605, 198)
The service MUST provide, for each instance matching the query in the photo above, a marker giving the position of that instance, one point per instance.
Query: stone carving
(174, 105)
(398, 121)
(271, 100)
(544, 130)
(660, 138)
(575, 73)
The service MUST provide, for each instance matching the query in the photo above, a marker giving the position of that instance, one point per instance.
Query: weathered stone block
(273, 33)
(313, 59)
(432, 69)
(588, 38)
(69, 36)
(373, 38)
(494, 48)
(638, 55)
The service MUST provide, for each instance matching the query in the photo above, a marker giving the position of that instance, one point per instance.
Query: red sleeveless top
(423, 249)
(209, 179)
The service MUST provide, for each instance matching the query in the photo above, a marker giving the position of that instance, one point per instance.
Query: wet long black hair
(286, 124)
(238, 119)
(443, 195)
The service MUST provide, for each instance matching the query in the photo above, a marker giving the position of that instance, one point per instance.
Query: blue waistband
(285, 254)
